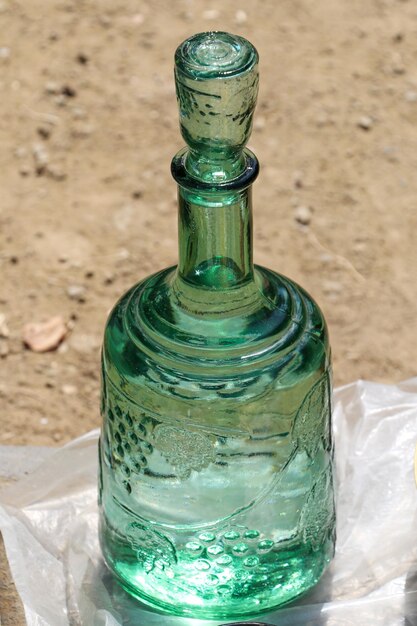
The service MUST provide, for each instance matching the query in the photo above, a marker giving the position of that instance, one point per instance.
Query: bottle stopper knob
(216, 76)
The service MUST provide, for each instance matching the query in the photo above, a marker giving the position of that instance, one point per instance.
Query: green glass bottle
(216, 476)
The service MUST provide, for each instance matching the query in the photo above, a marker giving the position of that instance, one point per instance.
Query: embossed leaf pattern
(312, 422)
(318, 514)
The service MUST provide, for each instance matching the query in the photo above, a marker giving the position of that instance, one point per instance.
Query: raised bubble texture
(251, 561)
(240, 549)
(231, 535)
(202, 565)
(265, 545)
(194, 547)
(224, 590)
(215, 550)
(224, 559)
(251, 535)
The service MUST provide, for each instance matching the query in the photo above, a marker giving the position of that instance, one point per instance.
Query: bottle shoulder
(269, 323)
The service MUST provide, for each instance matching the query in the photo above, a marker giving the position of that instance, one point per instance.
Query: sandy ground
(88, 127)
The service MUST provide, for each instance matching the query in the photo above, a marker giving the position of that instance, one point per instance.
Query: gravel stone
(302, 215)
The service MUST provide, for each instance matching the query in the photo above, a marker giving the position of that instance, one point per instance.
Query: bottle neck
(215, 222)
(215, 238)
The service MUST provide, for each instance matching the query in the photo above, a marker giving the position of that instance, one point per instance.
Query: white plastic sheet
(49, 520)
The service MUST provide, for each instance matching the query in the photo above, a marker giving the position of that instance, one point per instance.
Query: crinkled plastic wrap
(49, 526)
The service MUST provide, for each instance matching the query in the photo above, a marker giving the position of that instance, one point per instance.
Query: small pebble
(109, 279)
(4, 348)
(82, 58)
(211, 14)
(259, 123)
(41, 158)
(410, 96)
(55, 172)
(4, 53)
(241, 17)
(105, 20)
(78, 113)
(325, 257)
(69, 390)
(44, 131)
(123, 254)
(188, 16)
(390, 153)
(302, 215)
(297, 179)
(365, 122)
(43, 421)
(85, 343)
(52, 88)
(359, 246)
(138, 19)
(68, 91)
(81, 130)
(21, 152)
(24, 170)
(331, 287)
(60, 100)
(4, 329)
(44, 336)
(76, 292)
(323, 119)
(397, 64)
(71, 323)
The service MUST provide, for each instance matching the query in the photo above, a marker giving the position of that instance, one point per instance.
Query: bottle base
(190, 590)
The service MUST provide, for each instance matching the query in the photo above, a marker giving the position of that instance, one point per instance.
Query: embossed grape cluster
(126, 442)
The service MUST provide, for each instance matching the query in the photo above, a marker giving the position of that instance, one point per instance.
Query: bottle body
(216, 476)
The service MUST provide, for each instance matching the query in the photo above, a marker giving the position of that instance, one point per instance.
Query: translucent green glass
(216, 476)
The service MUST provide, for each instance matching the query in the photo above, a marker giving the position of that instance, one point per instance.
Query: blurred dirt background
(88, 126)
